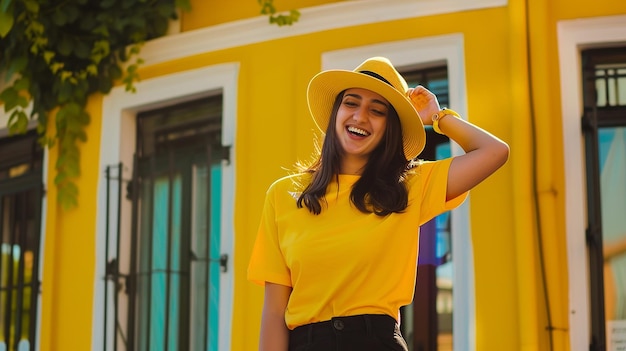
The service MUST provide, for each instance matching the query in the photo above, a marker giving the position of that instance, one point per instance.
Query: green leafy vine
(54, 54)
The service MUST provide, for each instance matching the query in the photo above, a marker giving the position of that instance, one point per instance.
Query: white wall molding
(574, 36)
(314, 19)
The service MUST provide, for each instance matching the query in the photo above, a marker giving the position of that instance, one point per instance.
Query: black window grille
(604, 96)
(167, 292)
(20, 215)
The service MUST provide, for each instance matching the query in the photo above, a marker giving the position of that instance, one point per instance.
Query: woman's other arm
(274, 332)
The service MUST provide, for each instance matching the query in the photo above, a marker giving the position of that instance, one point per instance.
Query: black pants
(365, 332)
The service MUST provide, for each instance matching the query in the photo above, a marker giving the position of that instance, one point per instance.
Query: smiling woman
(340, 261)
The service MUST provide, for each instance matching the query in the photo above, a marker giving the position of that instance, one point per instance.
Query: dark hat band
(377, 76)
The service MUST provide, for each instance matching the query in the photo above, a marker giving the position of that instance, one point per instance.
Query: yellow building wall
(274, 130)
(67, 290)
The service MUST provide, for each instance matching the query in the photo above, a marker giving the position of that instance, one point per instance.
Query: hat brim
(325, 86)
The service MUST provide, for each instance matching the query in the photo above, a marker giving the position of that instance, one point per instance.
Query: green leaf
(71, 12)
(32, 6)
(18, 122)
(67, 195)
(267, 7)
(41, 129)
(100, 50)
(60, 178)
(18, 64)
(9, 96)
(107, 3)
(59, 17)
(81, 135)
(56, 66)
(72, 169)
(73, 109)
(92, 70)
(84, 118)
(48, 55)
(64, 46)
(82, 50)
(21, 101)
(6, 23)
(12, 99)
(101, 30)
(64, 92)
(295, 15)
(4, 5)
(23, 83)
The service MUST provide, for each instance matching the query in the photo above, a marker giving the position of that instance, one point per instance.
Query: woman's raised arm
(484, 152)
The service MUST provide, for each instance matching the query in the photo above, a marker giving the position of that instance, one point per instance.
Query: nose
(360, 115)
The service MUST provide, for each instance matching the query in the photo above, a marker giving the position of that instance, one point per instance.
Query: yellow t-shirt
(344, 262)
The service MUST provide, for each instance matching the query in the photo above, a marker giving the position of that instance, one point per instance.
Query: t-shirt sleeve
(433, 179)
(267, 263)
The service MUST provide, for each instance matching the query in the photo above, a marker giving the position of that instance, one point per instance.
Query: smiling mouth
(358, 131)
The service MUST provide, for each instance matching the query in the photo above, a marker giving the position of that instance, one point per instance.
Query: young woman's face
(361, 121)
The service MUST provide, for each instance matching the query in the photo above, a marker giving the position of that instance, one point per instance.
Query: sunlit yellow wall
(69, 251)
(274, 131)
(546, 101)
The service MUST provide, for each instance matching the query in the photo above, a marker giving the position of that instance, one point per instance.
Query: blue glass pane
(612, 149)
(159, 264)
(443, 243)
(214, 302)
(206, 268)
(175, 249)
(163, 308)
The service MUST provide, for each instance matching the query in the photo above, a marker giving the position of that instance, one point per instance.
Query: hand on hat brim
(425, 102)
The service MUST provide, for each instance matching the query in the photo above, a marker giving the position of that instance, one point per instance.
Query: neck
(352, 165)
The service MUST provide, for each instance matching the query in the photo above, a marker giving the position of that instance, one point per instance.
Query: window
(116, 228)
(170, 298)
(20, 240)
(427, 322)
(604, 128)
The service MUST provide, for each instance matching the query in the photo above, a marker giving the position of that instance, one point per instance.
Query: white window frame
(425, 51)
(117, 144)
(573, 37)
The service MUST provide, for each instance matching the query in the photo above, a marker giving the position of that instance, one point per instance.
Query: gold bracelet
(441, 114)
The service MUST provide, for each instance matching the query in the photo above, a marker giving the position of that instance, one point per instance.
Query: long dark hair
(380, 189)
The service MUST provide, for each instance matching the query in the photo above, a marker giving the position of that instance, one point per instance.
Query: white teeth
(358, 131)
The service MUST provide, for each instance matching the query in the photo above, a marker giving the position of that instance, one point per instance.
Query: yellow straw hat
(378, 75)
